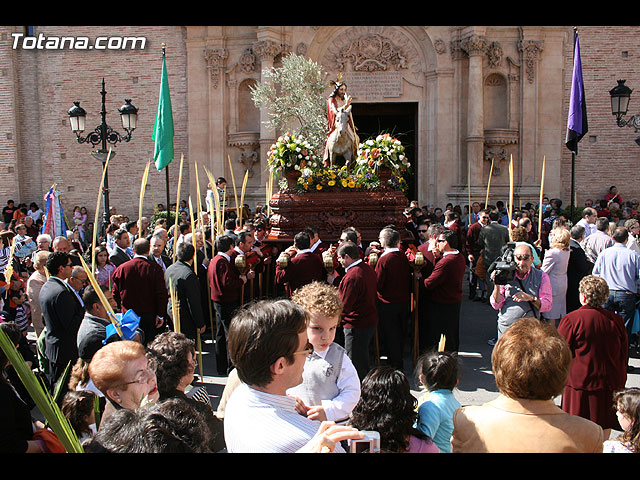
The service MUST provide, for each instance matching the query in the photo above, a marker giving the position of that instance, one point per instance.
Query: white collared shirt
(306, 250)
(260, 422)
(348, 383)
(353, 264)
(316, 245)
(225, 256)
(451, 252)
(389, 250)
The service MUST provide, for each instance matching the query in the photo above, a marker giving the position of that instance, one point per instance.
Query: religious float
(367, 193)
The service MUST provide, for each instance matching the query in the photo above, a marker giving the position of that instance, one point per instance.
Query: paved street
(477, 386)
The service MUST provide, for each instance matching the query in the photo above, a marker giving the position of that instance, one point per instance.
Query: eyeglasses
(308, 349)
(523, 257)
(423, 230)
(440, 240)
(145, 376)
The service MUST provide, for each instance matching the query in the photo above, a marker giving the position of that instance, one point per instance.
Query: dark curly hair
(387, 406)
(169, 354)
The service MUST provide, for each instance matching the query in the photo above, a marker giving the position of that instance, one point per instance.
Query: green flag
(163, 127)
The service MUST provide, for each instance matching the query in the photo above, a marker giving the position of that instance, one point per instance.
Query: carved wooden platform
(333, 211)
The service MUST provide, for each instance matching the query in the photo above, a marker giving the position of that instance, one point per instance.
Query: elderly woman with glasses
(121, 371)
(598, 342)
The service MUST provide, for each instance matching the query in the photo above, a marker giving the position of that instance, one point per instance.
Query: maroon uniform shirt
(393, 272)
(358, 293)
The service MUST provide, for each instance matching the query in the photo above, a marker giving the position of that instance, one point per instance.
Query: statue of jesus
(339, 99)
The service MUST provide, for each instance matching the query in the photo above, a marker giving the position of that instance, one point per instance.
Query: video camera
(505, 266)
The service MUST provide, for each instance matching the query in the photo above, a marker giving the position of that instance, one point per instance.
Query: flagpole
(573, 153)
(166, 168)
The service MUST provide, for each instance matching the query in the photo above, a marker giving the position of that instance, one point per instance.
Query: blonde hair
(40, 259)
(561, 238)
(109, 363)
(319, 297)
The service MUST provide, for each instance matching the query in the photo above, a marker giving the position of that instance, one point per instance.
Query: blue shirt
(435, 417)
(620, 267)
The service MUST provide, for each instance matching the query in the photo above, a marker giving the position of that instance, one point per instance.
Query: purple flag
(577, 121)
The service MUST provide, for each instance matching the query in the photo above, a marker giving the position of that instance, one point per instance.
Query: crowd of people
(313, 336)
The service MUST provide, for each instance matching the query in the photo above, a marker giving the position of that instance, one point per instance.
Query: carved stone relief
(371, 53)
(249, 145)
(247, 61)
(531, 50)
(439, 46)
(372, 49)
(215, 58)
(494, 54)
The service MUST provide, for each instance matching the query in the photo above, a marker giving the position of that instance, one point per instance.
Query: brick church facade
(461, 97)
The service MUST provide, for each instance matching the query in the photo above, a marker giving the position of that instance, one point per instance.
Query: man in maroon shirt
(357, 290)
(138, 285)
(444, 289)
(304, 266)
(226, 283)
(393, 272)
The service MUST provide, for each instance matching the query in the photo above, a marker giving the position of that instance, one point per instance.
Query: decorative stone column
(215, 60)
(266, 51)
(475, 46)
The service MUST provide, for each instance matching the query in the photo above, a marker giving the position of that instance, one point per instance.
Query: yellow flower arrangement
(318, 187)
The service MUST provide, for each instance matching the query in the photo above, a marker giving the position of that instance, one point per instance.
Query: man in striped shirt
(268, 345)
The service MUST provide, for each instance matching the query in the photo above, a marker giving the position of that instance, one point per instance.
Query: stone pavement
(477, 386)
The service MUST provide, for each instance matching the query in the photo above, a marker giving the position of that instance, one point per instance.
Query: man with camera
(519, 289)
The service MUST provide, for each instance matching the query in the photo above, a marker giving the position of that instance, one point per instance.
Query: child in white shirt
(330, 387)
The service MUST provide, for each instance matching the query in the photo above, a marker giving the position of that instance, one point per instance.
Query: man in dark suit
(186, 288)
(393, 272)
(62, 314)
(473, 252)
(304, 266)
(138, 285)
(444, 287)
(156, 249)
(357, 290)
(226, 283)
(579, 267)
(119, 254)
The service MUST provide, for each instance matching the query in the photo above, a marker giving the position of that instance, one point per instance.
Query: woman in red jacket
(598, 342)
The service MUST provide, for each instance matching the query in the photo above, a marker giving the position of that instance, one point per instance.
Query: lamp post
(620, 96)
(102, 135)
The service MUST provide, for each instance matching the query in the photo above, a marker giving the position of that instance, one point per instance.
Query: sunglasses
(523, 257)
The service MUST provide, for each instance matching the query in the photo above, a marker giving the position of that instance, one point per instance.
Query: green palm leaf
(47, 406)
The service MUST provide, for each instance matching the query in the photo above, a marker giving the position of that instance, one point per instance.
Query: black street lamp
(102, 135)
(620, 96)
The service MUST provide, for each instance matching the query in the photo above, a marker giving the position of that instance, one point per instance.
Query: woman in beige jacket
(531, 363)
